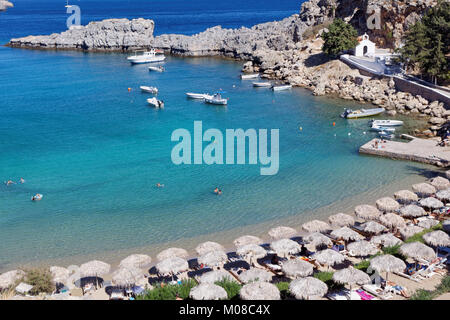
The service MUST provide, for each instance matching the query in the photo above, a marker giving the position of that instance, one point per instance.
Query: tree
(340, 37)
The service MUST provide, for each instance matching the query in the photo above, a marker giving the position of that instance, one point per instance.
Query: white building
(365, 48)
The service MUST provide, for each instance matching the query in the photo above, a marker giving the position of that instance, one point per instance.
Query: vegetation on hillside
(340, 37)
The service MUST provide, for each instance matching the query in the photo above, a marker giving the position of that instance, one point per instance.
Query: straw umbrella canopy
(387, 204)
(308, 288)
(281, 232)
(405, 197)
(446, 225)
(213, 258)
(362, 248)
(409, 230)
(386, 240)
(216, 276)
(316, 226)
(207, 246)
(424, 189)
(7, 279)
(126, 276)
(172, 252)
(94, 268)
(428, 223)
(373, 227)
(392, 220)
(346, 234)
(437, 238)
(328, 257)
(259, 290)
(247, 239)
(387, 263)
(318, 239)
(416, 250)
(285, 247)
(443, 195)
(251, 252)
(255, 274)
(351, 276)
(59, 274)
(341, 220)
(440, 183)
(171, 266)
(297, 268)
(136, 261)
(447, 174)
(367, 212)
(431, 203)
(208, 291)
(412, 211)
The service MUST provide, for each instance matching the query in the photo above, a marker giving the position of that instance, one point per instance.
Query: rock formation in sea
(5, 5)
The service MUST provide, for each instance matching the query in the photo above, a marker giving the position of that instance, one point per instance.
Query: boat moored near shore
(262, 84)
(216, 99)
(152, 90)
(249, 76)
(386, 123)
(142, 56)
(159, 104)
(282, 87)
(198, 95)
(350, 114)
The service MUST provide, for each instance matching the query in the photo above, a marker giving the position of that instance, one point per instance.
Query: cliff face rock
(111, 34)
(5, 5)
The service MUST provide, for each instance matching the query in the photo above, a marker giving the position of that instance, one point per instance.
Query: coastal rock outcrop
(5, 5)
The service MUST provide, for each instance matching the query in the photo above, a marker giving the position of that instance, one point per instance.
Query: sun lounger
(340, 295)
(404, 275)
(377, 291)
(363, 295)
(116, 295)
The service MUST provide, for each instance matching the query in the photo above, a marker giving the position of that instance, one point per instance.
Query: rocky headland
(5, 5)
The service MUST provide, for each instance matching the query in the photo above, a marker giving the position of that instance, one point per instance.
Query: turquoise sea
(70, 127)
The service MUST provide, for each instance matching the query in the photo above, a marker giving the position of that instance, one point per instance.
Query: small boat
(380, 129)
(386, 123)
(198, 95)
(282, 87)
(262, 84)
(386, 135)
(37, 197)
(156, 103)
(216, 99)
(249, 76)
(350, 114)
(142, 56)
(153, 90)
(157, 69)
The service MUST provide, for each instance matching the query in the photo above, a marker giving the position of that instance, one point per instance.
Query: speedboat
(386, 123)
(37, 197)
(153, 90)
(350, 114)
(142, 56)
(157, 69)
(380, 129)
(156, 103)
(262, 84)
(249, 76)
(386, 135)
(216, 99)
(198, 95)
(282, 87)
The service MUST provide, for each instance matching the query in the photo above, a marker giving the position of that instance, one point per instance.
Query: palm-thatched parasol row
(386, 240)
(391, 220)
(409, 230)
(424, 189)
(60, 275)
(361, 248)
(431, 203)
(417, 250)
(341, 220)
(251, 252)
(208, 291)
(216, 276)
(255, 274)
(373, 227)
(328, 257)
(126, 276)
(308, 288)
(297, 268)
(351, 276)
(346, 234)
(247, 239)
(387, 263)
(171, 266)
(285, 247)
(208, 246)
(367, 212)
(443, 195)
(437, 238)
(171, 253)
(316, 226)
(94, 268)
(136, 261)
(440, 183)
(259, 290)
(387, 204)
(428, 223)
(282, 232)
(318, 239)
(412, 211)
(213, 259)
(405, 197)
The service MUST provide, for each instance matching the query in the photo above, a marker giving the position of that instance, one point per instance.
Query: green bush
(40, 279)
(168, 291)
(422, 294)
(340, 37)
(442, 288)
(363, 265)
(327, 277)
(231, 287)
(282, 286)
(419, 236)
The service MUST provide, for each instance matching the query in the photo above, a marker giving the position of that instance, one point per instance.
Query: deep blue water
(71, 128)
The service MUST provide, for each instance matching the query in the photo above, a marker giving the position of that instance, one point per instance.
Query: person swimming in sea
(216, 190)
(22, 180)
(9, 182)
(159, 185)
(219, 192)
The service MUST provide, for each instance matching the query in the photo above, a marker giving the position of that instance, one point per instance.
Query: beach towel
(364, 295)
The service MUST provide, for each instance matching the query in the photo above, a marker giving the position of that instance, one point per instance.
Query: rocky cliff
(5, 5)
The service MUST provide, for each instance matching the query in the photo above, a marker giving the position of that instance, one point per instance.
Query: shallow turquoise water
(69, 126)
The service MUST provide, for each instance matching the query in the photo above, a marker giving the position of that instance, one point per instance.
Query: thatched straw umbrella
(7, 279)
(316, 226)
(387, 263)
(386, 240)
(446, 225)
(405, 197)
(392, 220)
(328, 257)
(317, 239)
(373, 227)
(367, 212)
(431, 203)
(346, 234)
(447, 174)
(308, 288)
(297, 268)
(255, 274)
(172, 252)
(341, 220)
(251, 252)
(424, 189)
(428, 223)
(208, 291)
(409, 230)
(213, 259)
(285, 247)
(216, 276)
(387, 204)
(437, 238)
(60, 275)
(417, 251)
(440, 183)
(362, 248)
(412, 211)
(172, 266)
(259, 291)
(136, 261)
(244, 240)
(351, 276)
(94, 268)
(126, 277)
(282, 232)
(207, 246)
(443, 195)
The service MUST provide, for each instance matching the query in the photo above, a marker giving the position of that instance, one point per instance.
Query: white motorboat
(157, 69)
(350, 114)
(282, 87)
(216, 99)
(153, 90)
(262, 84)
(198, 95)
(37, 197)
(387, 123)
(156, 103)
(386, 135)
(142, 56)
(380, 129)
(249, 76)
